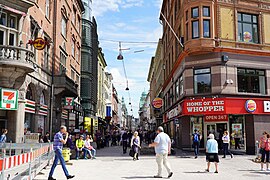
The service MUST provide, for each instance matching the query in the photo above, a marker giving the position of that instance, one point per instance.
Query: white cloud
(102, 6)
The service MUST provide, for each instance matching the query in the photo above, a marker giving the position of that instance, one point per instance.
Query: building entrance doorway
(217, 129)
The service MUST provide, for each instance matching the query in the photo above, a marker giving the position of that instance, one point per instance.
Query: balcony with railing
(15, 63)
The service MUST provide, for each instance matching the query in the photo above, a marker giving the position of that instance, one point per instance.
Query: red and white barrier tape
(18, 160)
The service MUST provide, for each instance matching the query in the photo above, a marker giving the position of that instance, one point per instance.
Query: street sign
(69, 103)
(9, 99)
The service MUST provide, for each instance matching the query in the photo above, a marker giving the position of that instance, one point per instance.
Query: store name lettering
(205, 106)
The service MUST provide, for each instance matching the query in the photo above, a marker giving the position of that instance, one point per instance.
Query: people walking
(212, 152)
(162, 144)
(3, 137)
(58, 142)
(89, 148)
(196, 138)
(124, 142)
(80, 147)
(265, 148)
(226, 143)
(135, 145)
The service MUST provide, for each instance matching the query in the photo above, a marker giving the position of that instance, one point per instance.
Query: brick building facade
(220, 79)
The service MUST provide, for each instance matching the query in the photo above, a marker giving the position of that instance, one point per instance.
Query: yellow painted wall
(266, 22)
(227, 23)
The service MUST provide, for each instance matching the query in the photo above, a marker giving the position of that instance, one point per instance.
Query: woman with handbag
(264, 149)
(212, 152)
(135, 145)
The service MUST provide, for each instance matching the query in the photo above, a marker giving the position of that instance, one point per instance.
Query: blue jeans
(84, 150)
(196, 146)
(91, 152)
(58, 156)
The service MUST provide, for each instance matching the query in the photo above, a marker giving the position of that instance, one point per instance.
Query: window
(79, 25)
(74, 17)
(63, 60)
(12, 22)
(195, 29)
(202, 81)
(206, 11)
(47, 10)
(77, 54)
(187, 34)
(3, 19)
(46, 55)
(251, 81)
(186, 15)
(72, 75)
(12, 39)
(248, 28)
(195, 12)
(177, 90)
(64, 27)
(77, 78)
(206, 28)
(2, 37)
(181, 85)
(73, 48)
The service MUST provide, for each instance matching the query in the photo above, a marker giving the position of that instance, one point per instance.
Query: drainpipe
(53, 66)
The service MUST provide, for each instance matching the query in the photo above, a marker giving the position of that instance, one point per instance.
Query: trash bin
(66, 154)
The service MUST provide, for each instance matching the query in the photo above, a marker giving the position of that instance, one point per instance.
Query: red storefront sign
(204, 106)
(221, 106)
(213, 118)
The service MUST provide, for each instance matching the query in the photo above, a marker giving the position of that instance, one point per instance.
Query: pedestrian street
(111, 164)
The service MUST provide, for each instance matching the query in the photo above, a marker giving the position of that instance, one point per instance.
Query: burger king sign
(157, 103)
(251, 106)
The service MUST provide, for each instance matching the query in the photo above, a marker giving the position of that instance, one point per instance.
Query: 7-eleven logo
(69, 101)
(9, 99)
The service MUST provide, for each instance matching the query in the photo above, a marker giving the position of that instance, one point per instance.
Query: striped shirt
(57, 144)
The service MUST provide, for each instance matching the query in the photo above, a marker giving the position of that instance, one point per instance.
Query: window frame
(209, 12)
(242, 22)
(64, 34)
(47, 9)
(203, 73)
(209, 28)
(256, 74)
(192, 28)
(192, 15)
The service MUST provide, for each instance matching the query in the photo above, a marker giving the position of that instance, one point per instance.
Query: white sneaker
(267, 169)
(262, 169)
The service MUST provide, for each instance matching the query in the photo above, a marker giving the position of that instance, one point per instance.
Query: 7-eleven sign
(69, 102)
(9, 99)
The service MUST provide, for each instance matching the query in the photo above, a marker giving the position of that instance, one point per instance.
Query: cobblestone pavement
(111, 164)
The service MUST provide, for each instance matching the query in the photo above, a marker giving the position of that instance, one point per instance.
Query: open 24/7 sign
(69, 102)
(9, 99)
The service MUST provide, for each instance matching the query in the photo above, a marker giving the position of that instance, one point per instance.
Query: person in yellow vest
(80, 147)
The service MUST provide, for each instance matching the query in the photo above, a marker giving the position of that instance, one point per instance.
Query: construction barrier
(24, 161)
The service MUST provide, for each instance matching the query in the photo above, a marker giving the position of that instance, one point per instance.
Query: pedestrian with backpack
(3, 137)
(196, 138)
(265, 150)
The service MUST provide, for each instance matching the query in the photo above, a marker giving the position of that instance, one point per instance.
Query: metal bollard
(257, 147)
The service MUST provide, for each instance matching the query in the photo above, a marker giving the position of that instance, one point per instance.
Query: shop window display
(237, 127)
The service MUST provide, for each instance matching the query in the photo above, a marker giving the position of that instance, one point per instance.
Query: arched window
(42, 98)
(29, 93)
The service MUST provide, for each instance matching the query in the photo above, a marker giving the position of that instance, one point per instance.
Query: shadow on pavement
(139, 177)
(196, 172)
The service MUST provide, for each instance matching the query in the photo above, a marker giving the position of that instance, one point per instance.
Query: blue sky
(128, 20)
